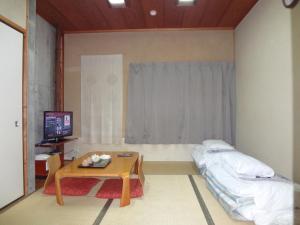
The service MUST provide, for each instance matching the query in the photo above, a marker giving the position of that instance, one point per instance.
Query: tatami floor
(171, 197)
(153, 167)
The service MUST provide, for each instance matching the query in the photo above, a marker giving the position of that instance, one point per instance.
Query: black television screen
(57, 125)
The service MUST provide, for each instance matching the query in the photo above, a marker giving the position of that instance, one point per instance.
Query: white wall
(14, 10)
(150, 152)
(263, 54)
(296, 70)
(137, 47)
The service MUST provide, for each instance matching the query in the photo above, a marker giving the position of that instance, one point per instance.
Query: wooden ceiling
(89, 15)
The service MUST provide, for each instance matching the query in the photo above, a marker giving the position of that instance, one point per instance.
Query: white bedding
(198, 155)
(204, 157)
(217, 144)
(245, 166)
(235, 186)
(281, 217)
(271, 197)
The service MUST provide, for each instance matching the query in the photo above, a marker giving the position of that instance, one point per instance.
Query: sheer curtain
(180, 103)
(101, 98)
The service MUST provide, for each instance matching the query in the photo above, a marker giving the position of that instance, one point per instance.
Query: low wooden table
(119, 167)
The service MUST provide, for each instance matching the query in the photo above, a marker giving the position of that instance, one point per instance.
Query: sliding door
(11, 148)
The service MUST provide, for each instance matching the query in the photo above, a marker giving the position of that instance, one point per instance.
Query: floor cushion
(73, 186)
(112, 188)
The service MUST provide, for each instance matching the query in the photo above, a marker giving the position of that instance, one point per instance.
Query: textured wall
(264, 85)
(45, 71)
(41, 50)
(32, 94)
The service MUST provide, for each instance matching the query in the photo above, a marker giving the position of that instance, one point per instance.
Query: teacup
(105, 156)
(95, 158)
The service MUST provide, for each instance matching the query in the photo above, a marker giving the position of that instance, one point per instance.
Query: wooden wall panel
(173, 14)
(53, 16)
(193, 15)
(236, 12)
(59, 71)
(214, 11)
(84, 15)
(153, 21)
(113, 16)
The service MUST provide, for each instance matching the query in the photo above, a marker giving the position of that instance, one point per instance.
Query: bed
(264, 200)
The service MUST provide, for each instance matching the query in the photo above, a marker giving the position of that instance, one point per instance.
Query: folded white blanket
(280, 217)
(216, 144)
(243, 188)
(245, 166)
(273, 197)
(203, 156)
(269, 195)
(198, 155)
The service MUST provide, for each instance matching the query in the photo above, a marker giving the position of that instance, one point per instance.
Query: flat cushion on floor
(73, 186)
(112, 188)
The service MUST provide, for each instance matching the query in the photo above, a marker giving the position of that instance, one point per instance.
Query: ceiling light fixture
(185, 2)
(117, 3)
(153, 12)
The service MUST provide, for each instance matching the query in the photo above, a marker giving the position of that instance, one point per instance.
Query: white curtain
(101, 98)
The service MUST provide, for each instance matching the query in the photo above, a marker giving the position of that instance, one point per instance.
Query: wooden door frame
(59, 70)
(24, 93)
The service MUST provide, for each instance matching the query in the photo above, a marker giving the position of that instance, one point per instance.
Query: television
(57, 125)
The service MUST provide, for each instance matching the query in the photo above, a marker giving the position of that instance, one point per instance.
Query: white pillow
(245, 166)
(217, 145)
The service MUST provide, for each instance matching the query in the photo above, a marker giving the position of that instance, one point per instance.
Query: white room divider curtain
(101, 98)
(180, 102)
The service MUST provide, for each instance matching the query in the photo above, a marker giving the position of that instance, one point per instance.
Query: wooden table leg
(59, 198)
(125, 198)
(136, 166)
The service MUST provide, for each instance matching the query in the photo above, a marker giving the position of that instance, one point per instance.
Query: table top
(119, 166)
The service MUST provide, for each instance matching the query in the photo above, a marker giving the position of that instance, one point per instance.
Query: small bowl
(85, 162)
(95, 158)
(105, 157)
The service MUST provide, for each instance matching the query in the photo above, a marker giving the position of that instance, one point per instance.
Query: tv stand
(57, 146)
(54, 142)
(51, 141)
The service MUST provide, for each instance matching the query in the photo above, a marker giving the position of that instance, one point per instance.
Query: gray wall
(41, 56)
(44, 72)
(31, 93)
